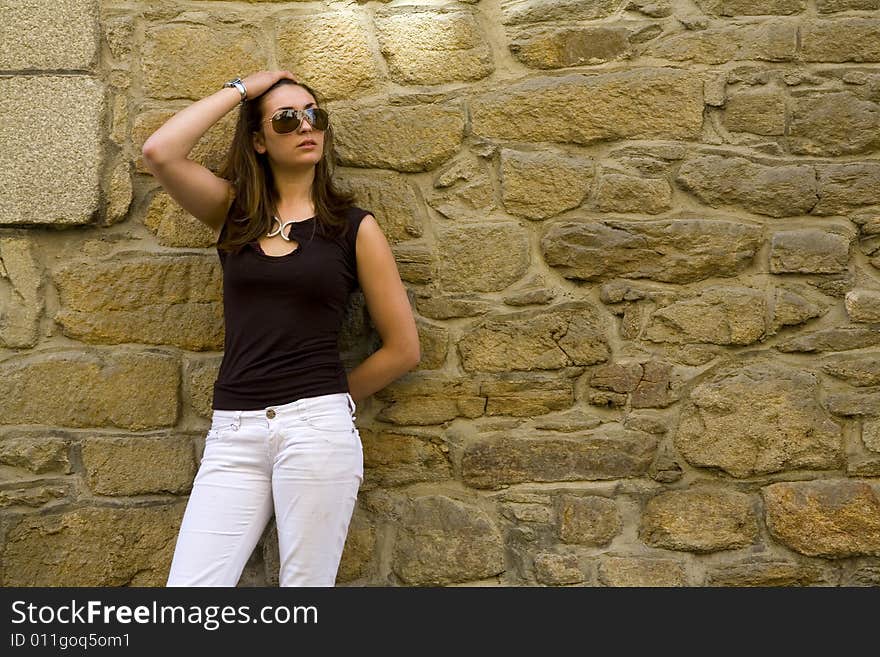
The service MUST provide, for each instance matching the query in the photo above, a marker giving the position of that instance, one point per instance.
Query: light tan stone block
(39, 35)
(50, 176)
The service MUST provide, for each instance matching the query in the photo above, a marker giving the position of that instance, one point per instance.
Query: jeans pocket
(331, 421)
(216, 433)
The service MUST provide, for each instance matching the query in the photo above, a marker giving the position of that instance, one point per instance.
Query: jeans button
(270, 413)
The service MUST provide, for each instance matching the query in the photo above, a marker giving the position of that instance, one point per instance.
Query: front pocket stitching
(216, 434)
(317, 427)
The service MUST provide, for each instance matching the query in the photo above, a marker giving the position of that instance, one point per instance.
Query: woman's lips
(307, 145)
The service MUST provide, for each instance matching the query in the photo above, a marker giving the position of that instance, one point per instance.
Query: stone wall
(642, 243)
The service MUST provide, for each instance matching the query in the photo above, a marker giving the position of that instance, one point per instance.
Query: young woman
(292, 248)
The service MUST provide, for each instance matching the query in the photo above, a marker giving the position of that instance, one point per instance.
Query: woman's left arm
(390, 311)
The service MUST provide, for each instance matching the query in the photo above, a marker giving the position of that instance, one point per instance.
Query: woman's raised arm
(166, 152)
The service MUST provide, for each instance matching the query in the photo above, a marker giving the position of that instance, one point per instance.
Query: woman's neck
(295, 193)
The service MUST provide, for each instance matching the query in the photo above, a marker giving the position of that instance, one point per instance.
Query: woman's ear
(259, 142)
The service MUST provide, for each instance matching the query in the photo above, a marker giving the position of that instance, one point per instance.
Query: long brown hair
(250, 214)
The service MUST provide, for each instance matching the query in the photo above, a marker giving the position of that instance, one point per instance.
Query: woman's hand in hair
(257, 83)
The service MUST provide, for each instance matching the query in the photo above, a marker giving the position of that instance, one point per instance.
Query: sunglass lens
(285, 121)
(318, 118)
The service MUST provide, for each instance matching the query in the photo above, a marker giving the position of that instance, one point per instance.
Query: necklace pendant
(275, 231)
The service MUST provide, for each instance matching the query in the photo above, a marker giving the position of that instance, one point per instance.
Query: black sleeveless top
(282, 317)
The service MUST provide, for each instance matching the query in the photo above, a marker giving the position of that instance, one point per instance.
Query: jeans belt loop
(236, 422)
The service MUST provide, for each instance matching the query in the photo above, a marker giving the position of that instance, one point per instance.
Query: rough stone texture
(863, 305)
(670, 251)
(481, 257)
(730, 180)
(862, 574)
(836, 338)
(789, 308)
(38, 453)
(860, 464)
(463, 189)
(818, 120)
(39, 35)
(558, 569)
(844, 39)
(666, 468)
(750, 7)
(360, 546)
(187, 60)
(432, 45)
(92, 546)
(767, 572)
(758, 112)
(120, 117)
(832, 518)
(50, 177)
(609, 452)
(590, 520)
(449, 306)
(331, 52)
(547, 339)
(621, 193)
(174, 226)
(550, 47)
(119, 194)
(699, 520)
(871, 434)
(857, 370)
(584, 109)
(426, 398)
(395, 459)
(408, 139)
(533, 290)
(175, 300)
(33, 497)
(73, 388)
(756, 419)
(21, 293)
(773, 40)
(831, 6)
(115, 466)
(846, 186)
(528, 394)
(640, 571)
(810, 251)
(541, 184)
(727, 315)
(199, 377)
(391, 197)
(529, 512)
(118, 32)
(434, 344)
(857, 402)
(414, 262)
(648, 383)
(442, 540)
(571, 421)
(514, 12)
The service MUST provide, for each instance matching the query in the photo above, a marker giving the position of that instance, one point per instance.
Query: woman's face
(286, 149)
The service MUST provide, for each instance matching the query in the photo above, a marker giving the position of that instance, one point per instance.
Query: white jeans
(304, 460)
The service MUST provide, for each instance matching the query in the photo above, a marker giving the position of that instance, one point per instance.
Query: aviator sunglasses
(289, 119)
